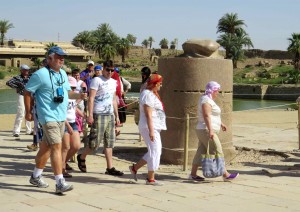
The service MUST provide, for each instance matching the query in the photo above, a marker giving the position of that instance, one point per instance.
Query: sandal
(81, 164)
(118, 132)
(66, 174)
(113, 172)
(68, 167)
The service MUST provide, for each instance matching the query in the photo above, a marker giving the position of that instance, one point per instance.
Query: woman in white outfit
(152, 121)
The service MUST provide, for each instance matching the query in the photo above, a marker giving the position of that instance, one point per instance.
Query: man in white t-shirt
(103, 115)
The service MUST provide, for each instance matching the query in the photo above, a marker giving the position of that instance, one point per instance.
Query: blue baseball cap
(117, 70)
(56, 50)
(98, 67)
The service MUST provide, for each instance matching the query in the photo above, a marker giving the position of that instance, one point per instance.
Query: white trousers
(20, 115)
(154, 149)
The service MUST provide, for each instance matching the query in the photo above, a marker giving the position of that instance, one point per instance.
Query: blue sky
(269, 22)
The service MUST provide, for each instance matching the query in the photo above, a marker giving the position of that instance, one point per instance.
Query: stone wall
(270, 54)
(267, 92)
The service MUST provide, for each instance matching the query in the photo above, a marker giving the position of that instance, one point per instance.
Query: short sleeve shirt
(45, 88)
(71, 111)
(147, 97)
(215, 114)
(105, 90)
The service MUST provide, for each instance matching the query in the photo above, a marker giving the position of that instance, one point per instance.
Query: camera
(59, 98)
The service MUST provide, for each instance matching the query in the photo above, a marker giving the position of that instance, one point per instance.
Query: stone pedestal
(184, 82)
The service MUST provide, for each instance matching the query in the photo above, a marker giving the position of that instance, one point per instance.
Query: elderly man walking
(19, 82)
(51, 91)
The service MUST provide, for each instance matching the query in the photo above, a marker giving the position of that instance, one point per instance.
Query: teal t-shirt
(40, 84)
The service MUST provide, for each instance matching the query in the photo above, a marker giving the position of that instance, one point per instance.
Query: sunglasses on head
(110, 69)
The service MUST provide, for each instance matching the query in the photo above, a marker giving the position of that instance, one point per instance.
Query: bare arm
(115, 105)
(28, 102)
(91, 105)
(206, 111)
(74, 95)
(148, 114)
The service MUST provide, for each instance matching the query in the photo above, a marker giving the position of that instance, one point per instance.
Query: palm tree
(123, 46)
(233, 44)
(164, 43)
(37, 62)
(294, 47)
(102, 37)
(145, 43)
(108, 52)
(131, 38)
(174, 44)
(83, 40)
(48, 46)
(4, 27)
(151, 40)
(229, 23)
(234, 37)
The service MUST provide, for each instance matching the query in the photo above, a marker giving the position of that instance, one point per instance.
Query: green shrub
(2, 75)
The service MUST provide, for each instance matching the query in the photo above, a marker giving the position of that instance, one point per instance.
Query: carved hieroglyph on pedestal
(184, 82)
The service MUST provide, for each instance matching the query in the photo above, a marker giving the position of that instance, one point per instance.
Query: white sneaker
(62, 186)
(154, 183)
(38, 181)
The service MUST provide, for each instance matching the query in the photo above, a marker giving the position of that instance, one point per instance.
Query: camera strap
(59, 83)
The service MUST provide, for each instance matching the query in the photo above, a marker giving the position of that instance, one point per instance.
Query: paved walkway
(255, 190)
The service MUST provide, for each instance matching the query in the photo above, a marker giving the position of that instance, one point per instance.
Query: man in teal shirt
(51, 90)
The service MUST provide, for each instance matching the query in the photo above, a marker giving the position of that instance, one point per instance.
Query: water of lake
(8, 102)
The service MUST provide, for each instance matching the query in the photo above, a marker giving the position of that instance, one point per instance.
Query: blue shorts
(73, 125)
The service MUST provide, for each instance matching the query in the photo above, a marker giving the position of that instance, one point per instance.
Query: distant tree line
(107, 44)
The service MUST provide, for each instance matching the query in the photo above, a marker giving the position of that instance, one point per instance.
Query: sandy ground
(268, 129)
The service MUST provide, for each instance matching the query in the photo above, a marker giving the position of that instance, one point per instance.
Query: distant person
(145, 73)
(98, 71)
(208, 127)
(152, 121)
(103, 116)
(51, 90)
(80, 88)
(87, 74)
(37, 129)
(18, 83)
(120, 101)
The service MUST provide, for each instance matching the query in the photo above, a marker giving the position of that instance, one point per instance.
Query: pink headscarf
(211, 87)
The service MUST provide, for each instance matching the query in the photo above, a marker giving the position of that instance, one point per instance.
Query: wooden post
(298, 101)
(186, 142)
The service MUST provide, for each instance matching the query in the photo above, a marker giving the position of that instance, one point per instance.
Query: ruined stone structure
(24, 52)
(184, 81)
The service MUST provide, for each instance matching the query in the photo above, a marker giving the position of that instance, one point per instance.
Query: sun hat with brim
(72, 81)
(24, 67)
(56, 50)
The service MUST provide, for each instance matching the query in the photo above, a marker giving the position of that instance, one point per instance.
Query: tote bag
(212, 165)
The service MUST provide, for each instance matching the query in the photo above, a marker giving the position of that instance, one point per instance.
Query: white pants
(154, 149)
(20, 115)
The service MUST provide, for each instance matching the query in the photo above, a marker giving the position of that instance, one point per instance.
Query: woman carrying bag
(208, 127)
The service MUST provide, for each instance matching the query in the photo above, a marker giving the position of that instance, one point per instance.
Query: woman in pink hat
(208, 127)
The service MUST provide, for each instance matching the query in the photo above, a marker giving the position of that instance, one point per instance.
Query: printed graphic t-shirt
(105, 90)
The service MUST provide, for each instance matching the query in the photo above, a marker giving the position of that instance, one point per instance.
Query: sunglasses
(73, 88)
(110, 69)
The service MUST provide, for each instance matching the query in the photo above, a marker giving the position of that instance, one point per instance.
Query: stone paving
(254, 190)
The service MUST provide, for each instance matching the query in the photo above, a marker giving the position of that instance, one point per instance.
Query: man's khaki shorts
(53, 132)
